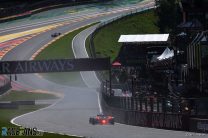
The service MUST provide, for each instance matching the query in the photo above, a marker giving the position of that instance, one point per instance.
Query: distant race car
(55, 34)
(102, 120)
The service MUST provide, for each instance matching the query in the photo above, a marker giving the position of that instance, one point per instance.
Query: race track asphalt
(70, 115)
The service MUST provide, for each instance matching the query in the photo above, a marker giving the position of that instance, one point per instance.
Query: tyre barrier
(14, 104)
(8, 105)
(23, 102)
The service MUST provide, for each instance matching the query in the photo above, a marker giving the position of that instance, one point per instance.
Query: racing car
(55, 34)
(101, 119)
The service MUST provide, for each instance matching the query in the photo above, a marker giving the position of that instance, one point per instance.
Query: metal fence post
(196, 109)
(132, 104)
(158, 105)
(126, 102)
(136, 100)
(173, 105)
(110, 85)
(106, 86)
(164, 105)
(145, 104)
(151, 104)
(140, 104)
(129, 103)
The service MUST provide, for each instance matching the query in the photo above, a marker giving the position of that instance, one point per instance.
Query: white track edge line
(13, 120)
(99, 105)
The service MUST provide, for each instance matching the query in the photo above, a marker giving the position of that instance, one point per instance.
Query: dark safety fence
(166, 113)
(175, 121)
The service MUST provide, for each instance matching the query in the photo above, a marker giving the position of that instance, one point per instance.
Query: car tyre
(112, 122)
(92, 121)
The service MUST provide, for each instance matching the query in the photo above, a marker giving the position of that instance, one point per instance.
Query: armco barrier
(15, 104)
(23, 102)
(8, 106)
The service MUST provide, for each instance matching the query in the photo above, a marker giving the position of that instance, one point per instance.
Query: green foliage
(168, 13)
(106, 40)
(7, 114)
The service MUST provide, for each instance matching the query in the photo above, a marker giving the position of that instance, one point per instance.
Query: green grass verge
(7, 114)
(106, 40)
(62, 48)
(24, 95)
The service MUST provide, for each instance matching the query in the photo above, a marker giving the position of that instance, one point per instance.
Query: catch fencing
(157, 112)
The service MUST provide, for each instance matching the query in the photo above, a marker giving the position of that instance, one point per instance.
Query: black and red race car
(102, 120)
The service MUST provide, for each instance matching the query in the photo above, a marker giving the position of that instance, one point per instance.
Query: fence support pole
(158, 105)
(126, 103)
(132, 103)
(163, 105)
(110, 82)
(132, 86)
(10, 77)
(106, 87)
(151, 104)
(140, 104)
(136, 104)
(146, 104)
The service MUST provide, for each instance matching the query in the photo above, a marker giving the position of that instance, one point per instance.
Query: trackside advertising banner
(56, 65)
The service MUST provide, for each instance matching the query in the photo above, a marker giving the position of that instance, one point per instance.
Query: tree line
(169, 15)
